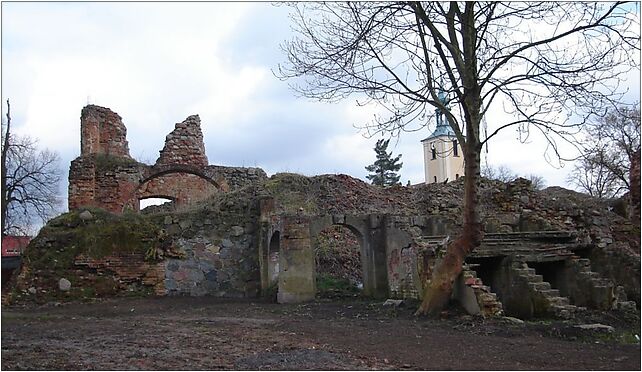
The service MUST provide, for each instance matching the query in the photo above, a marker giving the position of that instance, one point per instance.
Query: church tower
(443, 159)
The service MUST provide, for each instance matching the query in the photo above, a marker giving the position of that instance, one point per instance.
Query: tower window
(456, 176)
(434, 151)
(435, 179)
(455, 149)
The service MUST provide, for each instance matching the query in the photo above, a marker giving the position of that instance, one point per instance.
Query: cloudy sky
(157, 63)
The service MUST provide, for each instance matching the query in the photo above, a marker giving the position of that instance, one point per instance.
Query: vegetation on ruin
(51, 255)
(329, 286)
(105, 162)
(293, 192)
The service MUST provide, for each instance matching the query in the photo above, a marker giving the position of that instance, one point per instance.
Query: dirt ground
(179, 333)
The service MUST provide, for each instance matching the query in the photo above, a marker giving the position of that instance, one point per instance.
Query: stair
(600, 290)
(488, 302)
(541, 291)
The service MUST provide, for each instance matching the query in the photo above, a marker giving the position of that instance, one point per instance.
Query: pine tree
(385, 168)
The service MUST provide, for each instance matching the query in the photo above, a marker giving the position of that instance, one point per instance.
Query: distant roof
(14, 245)
(441, 130)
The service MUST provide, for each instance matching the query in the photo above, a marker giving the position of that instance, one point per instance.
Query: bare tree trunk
(5, 149)
(438, 290)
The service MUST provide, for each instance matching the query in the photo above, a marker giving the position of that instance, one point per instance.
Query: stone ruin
(545, 253)
(106, 176)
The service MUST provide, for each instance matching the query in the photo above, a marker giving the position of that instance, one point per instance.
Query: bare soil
(180, 333)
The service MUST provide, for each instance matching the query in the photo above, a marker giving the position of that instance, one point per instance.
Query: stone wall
(214, 254)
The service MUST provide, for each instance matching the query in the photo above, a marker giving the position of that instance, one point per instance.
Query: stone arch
(372, 245)
(182, 184)
(161, 170)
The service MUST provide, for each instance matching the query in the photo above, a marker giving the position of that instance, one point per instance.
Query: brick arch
(183, 184)
(161, 170)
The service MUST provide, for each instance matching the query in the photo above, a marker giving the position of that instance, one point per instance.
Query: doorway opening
(339, 269)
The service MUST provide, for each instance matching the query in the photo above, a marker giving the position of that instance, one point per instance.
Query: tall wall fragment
(105, 175)
(184, 145)
(102, 132)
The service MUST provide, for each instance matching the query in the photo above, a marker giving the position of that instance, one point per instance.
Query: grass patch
(110, 162)
(332, 287)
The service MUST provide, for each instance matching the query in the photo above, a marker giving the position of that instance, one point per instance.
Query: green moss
(110, 162)
(330, 286)
(66, 237)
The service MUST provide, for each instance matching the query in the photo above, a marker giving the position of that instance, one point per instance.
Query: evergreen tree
(385, 168)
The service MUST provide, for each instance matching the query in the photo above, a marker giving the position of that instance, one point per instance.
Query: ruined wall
(103, 181)
(102, 132)
(216, 254)
(183, 188)
(184, 145)
(105, 176)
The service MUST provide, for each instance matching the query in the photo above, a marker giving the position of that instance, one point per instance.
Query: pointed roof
(443, 127)
(441, 131)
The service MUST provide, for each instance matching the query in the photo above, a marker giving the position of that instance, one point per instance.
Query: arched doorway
(339, 262)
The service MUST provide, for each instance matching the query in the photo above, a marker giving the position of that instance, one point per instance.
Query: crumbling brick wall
(102, 132)
(106, 176)
(184, 145)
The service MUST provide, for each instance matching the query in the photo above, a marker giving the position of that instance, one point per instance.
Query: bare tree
(505, 174)
(500, 173)
(537, 182)
(549, 65)
(30, 179)
(609, 147)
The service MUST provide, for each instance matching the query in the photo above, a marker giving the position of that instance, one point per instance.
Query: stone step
(535, 278)
(559, 300)
(593, 275)
(527, 272)
(550, 292)
(540, 286)
(584, 261)
(563, 311)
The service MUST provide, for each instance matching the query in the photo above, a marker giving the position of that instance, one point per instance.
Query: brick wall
(105, 175)
(128, 269)
(102, 132)
(184, 145)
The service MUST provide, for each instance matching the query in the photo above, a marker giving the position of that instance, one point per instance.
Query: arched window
(435, 179)
(434, 151)
(455, 149)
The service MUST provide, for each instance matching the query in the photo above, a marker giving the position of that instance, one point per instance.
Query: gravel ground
(180, 333)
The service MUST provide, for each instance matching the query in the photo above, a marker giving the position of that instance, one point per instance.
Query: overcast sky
(157, 63)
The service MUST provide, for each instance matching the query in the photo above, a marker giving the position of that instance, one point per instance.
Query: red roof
(14, 245)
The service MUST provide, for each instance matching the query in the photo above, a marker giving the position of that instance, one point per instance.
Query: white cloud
(157, 63)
